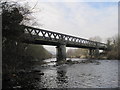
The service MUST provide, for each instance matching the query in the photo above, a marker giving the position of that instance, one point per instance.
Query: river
(103, 74)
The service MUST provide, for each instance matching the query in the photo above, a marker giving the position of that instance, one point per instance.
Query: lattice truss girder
(49, 35)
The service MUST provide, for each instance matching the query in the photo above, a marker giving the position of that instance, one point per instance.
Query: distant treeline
(112, 53)
(78, 53)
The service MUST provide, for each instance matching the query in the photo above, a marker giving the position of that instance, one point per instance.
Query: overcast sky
(81, 19)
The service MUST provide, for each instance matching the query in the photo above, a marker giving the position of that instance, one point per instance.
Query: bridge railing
(49, 35)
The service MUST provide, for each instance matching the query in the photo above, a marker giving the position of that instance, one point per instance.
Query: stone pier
(61, 52)
(94, 53)
(91, 53)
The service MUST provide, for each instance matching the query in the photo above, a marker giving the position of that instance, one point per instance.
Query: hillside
(38, 52)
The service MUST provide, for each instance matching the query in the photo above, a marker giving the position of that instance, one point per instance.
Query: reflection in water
(61, 77)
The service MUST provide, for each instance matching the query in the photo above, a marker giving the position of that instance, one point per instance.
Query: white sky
(84, 19)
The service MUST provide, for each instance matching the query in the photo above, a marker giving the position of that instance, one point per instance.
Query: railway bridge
(61, 41)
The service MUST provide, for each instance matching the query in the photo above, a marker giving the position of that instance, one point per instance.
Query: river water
(82, 75)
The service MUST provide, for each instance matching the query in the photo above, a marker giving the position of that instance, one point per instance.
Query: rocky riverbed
(75, 73)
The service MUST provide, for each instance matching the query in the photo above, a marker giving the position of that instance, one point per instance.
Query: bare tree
(96, 38)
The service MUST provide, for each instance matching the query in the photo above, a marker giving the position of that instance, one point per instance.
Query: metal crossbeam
(40, 36)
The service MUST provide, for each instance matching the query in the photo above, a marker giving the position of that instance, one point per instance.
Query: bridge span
(45, 37)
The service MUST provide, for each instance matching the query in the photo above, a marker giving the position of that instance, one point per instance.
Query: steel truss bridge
(45, 37)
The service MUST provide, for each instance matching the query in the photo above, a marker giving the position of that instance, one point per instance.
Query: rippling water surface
(83, 75)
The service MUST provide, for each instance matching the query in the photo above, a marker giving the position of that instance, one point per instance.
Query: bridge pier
(61, 52)
(91, 53)
(94, 53)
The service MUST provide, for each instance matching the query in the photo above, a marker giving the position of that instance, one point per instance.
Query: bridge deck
(45, 37)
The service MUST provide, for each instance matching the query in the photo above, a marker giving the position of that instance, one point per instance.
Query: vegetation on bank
(16, 55)
(112, 53)
(38, 52)
(114, 48)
